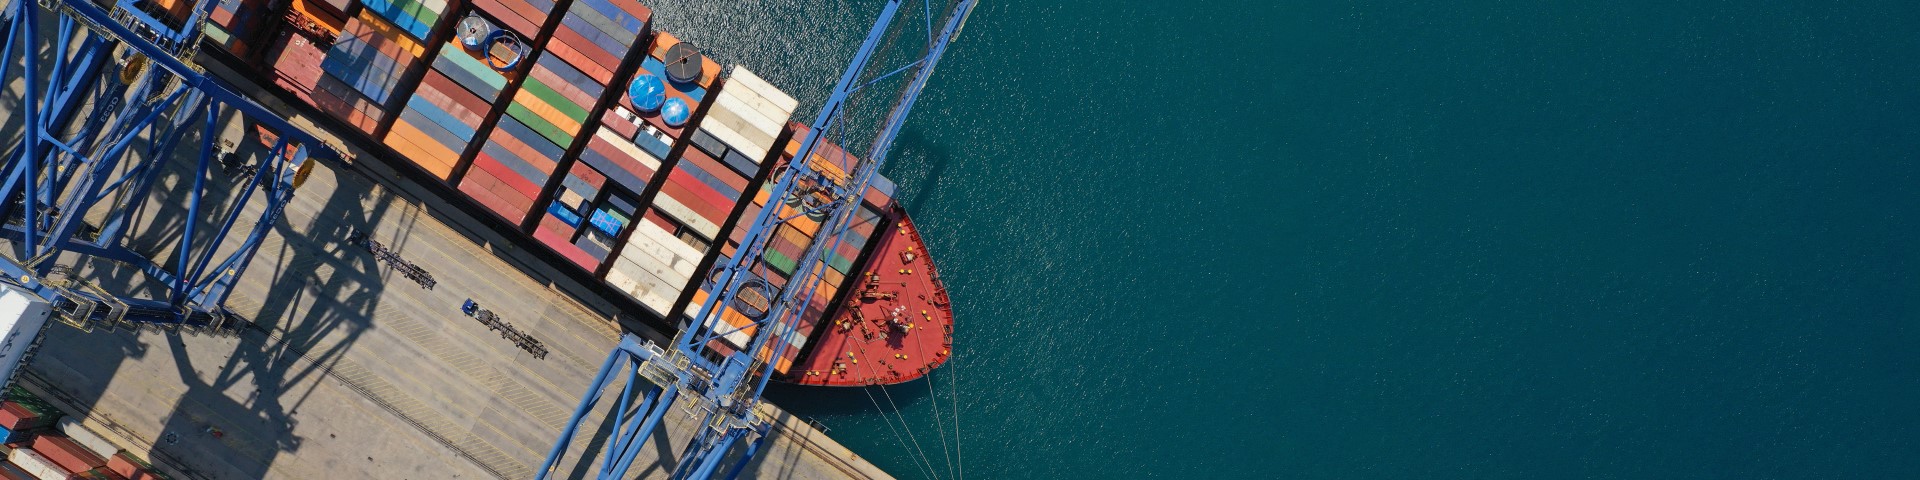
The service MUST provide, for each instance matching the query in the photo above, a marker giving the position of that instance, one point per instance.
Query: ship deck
(895, 323)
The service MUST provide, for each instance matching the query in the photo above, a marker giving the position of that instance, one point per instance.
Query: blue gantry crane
(110, 95)
(724, 390)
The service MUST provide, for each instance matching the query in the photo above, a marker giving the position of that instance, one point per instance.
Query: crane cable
(921, 452)
(953, 383)
(896, 433)
(940, 426)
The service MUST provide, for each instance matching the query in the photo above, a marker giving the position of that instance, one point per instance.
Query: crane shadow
(305, 300)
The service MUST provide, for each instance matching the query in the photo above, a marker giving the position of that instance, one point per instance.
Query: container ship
(621, 149)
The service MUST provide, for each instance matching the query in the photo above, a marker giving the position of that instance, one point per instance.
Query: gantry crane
(724, 389)
(109, 97)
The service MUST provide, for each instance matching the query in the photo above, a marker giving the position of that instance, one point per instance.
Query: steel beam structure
(102, 115)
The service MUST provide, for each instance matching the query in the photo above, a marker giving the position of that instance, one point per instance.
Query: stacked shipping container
(725, 155)
(444, 113)
(639, 140)
(233, 24)
(597, 197)
(363, 70)
(296, 53)
(593, 215)
(45, 445)
(523, 17)
(547, 113)
(416, 17)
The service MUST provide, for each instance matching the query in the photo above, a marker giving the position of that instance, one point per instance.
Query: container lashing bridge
(720, 390)
(110, 95)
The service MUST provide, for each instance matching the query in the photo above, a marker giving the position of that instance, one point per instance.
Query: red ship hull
(894, 323)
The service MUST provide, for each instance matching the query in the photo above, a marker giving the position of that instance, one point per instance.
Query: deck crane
(101, 117)
(725, 388)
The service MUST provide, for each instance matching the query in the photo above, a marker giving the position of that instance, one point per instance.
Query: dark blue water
(1401, 239)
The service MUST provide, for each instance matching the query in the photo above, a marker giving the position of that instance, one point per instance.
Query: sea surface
(1397, 239)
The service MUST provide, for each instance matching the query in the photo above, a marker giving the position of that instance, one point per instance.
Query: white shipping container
(733, 139)
(663, 271)
(742, 76)
(653, 301)
(627, 146)
(37, 465)
(748, 98)
(745, 119)
(679, 211)
(651, 291)
(659, 243)
(93, 442)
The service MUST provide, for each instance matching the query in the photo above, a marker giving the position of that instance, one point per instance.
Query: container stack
(541, 121)
(22, 416)
(44, 445)
(662, 253)
(510, 169)
(584, 215)
(363, 69)
(300, 46)
(442, 117)
(416, 17)
(129, 467)
(595, 35)
(725, 156)
(523, 17)
(553, 101)
(232, 23)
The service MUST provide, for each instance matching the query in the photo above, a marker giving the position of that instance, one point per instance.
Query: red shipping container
(653, 215)
(619, 125)
(588, 174)
(639, 11)
(621, 159)
(714, 168)
(589, 51)
(124, 465)
(65, 453)
(698, 192)
(508, 178)
(680, 195)
(515, 186)
(550, 223)
(17, 417)
(559, 244)
(519, 147)
(566, 90)
(491, 200)
(467, 101)
(518, 15)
